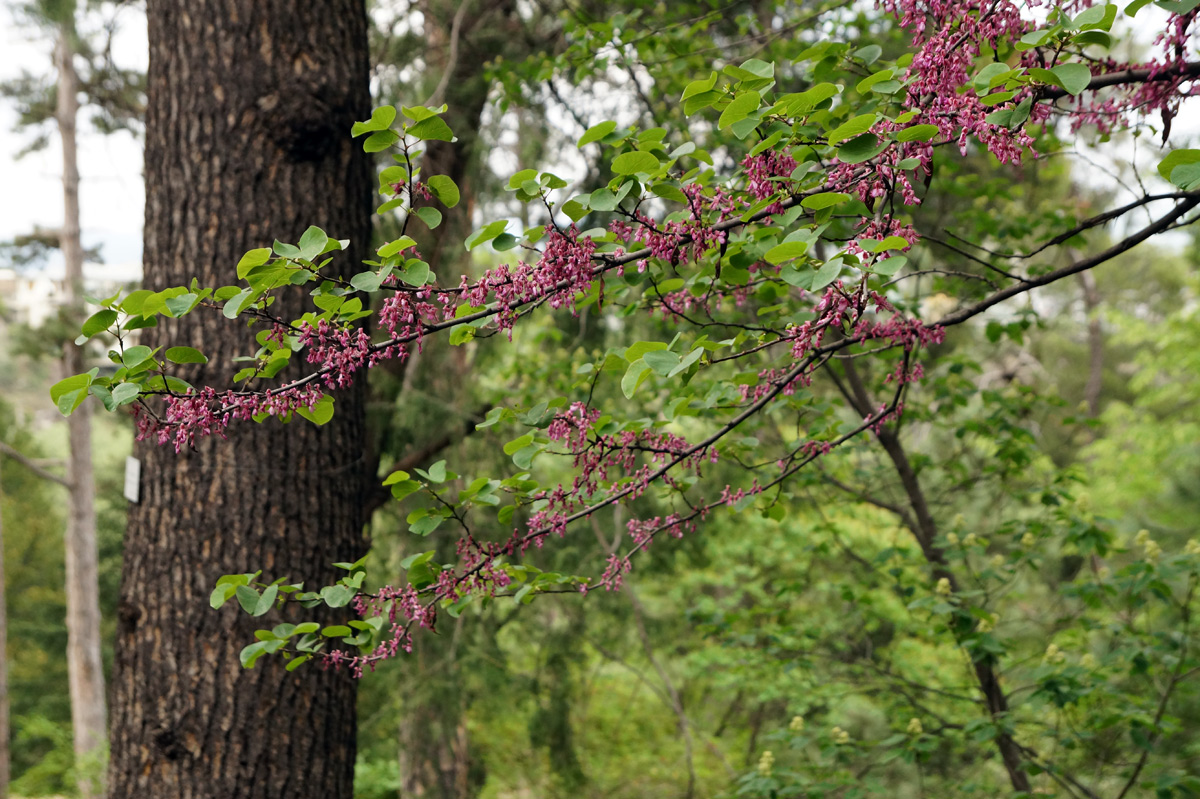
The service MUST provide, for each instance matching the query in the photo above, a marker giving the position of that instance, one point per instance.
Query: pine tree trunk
(84, 668)
(250, 104)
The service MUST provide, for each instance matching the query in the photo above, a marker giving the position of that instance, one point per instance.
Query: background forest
(783, 650)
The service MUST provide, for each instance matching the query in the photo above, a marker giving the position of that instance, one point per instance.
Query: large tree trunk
(247, 139)
(84, 669)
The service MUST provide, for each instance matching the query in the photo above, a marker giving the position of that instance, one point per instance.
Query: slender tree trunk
(84, 668)
(5, 738)
(924, 528)
(250, 104)
(459, 36)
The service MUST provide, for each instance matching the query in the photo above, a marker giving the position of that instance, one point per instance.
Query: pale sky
(110, 167)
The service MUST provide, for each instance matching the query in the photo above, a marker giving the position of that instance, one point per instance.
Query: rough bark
(85, 672)
(250, 104)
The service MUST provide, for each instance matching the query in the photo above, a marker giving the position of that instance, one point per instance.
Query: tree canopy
(808, 241)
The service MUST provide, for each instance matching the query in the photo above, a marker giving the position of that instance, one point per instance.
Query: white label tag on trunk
(133, 478)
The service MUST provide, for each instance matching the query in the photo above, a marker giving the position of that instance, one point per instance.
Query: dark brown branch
(1189, 70)
(925, 532)
(1128, 243)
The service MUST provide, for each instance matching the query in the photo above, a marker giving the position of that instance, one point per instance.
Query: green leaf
(395, 247)
(247, 597)
(1136, 6)
(1021, 113)
(381, 119)
(380, 140)
(1166, 167)
(432, 217)
(786, 251)
(321, 413)
(574, 210)
(445, 189)
(1186, 176)
(433, 128)
(700, 86)
(220, 595)
(825, 199)
(518, 444)
(634, 162)
(984, 80)
(99, 322)
(1092, 16)
(865, 84)
(669, 192)
(603, 200)
(634, 375)
(685, 364)
(135, 356)
(185, 355)
(251, 653)
(183, 304)
(598, 132)
(426, 525)
(336, 631)
(489, 232)
(337, 596)
(1045, 76)
(415, 272)
(861, 148)
(917, 133)
(661, 361)
(742, 106)
(1073, 77)
(854, 127)
(869, 54)
(237, 303)
(418, 112)
(827, 273)
(312, 243)
(367, 281)
(266, 601)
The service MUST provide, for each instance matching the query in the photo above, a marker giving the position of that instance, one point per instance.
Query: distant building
(31, 296)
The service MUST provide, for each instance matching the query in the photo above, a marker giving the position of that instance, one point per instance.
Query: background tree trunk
(247, 140)
(84, 666)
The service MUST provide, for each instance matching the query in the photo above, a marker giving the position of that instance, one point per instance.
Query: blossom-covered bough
(797, 265)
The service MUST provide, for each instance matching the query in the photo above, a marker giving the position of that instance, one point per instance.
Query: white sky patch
(111, 193)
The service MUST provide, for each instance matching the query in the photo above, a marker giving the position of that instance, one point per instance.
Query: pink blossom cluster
(614, 573)
(902, 331)
(769, 379)
(731, 497)
(880, 229)
(564, 270)
(198, 414)
(340, 351)
(949, 36)
(573, 425)
(769, 173)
